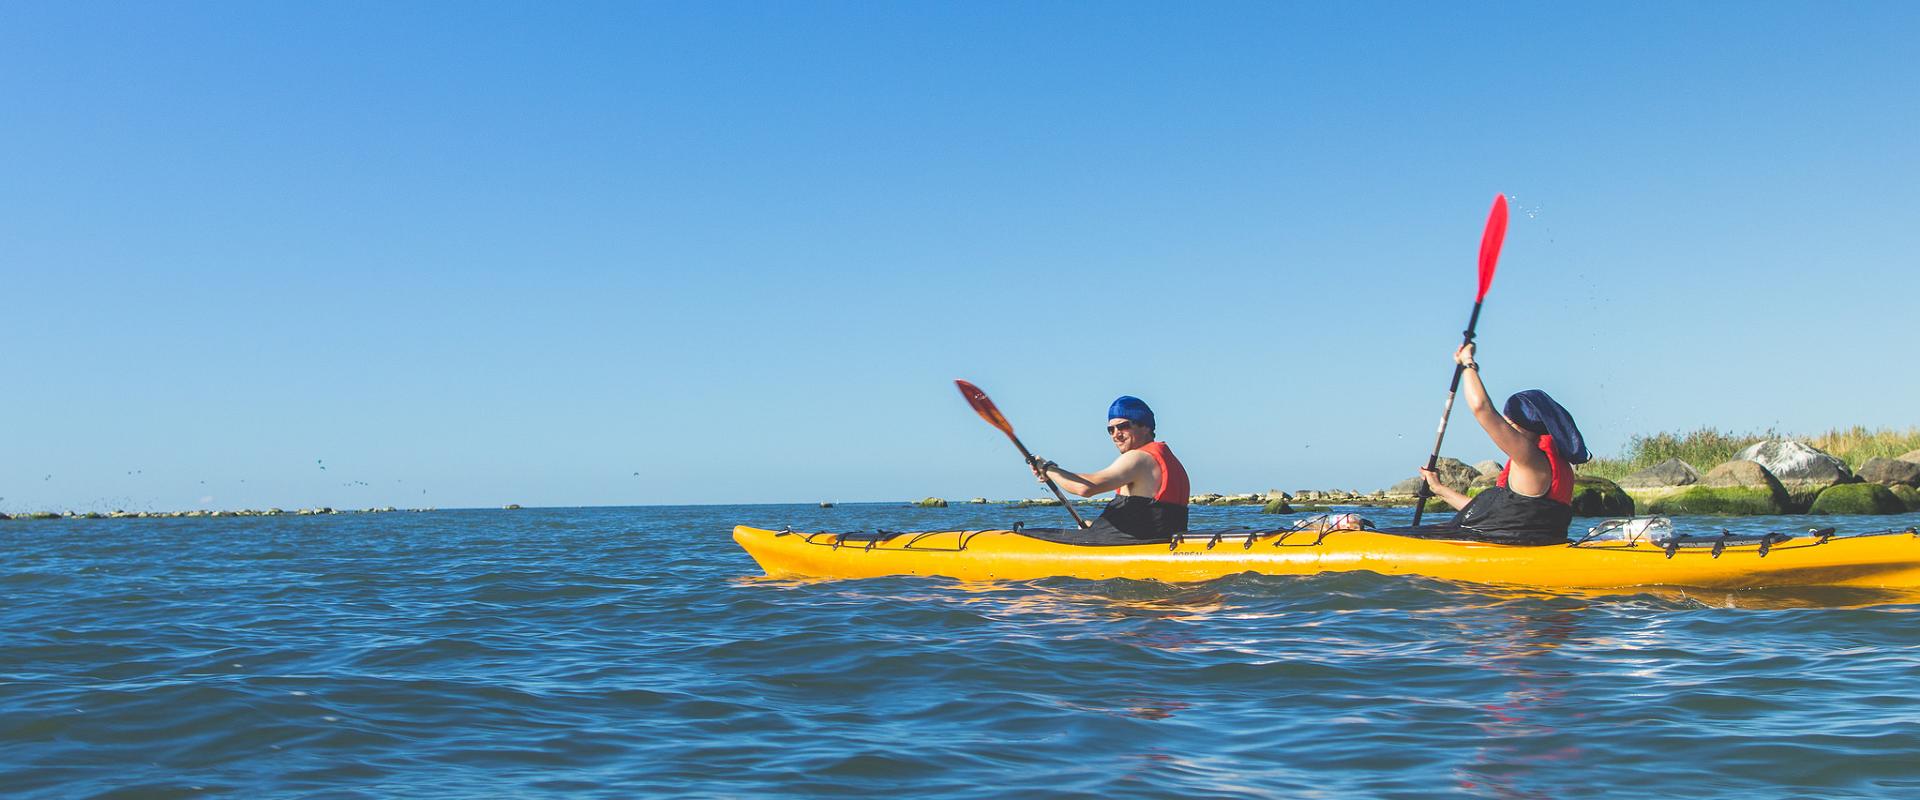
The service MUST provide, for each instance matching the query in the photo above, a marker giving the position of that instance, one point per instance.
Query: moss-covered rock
(1594, 496)
(1908, 495)
(1857, 498)
(1277, 505)
(1721, 501)
(932, 502)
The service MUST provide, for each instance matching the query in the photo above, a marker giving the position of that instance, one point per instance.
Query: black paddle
(987, 411)
(1490, 241)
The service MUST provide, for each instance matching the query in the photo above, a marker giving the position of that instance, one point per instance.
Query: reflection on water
(619, 652)
(1519, 733)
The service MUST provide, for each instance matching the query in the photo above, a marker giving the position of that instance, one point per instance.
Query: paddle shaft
(984, 406)
(1433, 460)
(1068, 504)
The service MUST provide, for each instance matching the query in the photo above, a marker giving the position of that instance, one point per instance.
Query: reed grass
(1707, 448)
(1856, 445)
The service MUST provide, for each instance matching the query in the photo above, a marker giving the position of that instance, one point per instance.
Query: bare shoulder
(1133, 462)
(1139, 463)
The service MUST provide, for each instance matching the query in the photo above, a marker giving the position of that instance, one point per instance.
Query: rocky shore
(270, 512)
(1781, 476)
(1773, 477)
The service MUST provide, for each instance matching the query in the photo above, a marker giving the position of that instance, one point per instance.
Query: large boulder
(1277, 505)
(1660, 480)
(1913, 456)
(931, 502)
(1890, 472)
(1721, 501)
(1803, 469)
(1857, 498)
(1742, 475)
(1594, 496)
(1671, 472)
(1456, 474)
(1740, 472)
(1489, 468)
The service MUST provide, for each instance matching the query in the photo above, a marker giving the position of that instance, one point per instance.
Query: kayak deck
(1887, 559)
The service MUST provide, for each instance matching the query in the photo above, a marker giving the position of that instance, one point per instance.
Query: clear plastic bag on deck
(1650, 530)
(1334, 522)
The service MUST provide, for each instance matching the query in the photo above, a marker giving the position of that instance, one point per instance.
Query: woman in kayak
(1533, 501)
(1151, 484)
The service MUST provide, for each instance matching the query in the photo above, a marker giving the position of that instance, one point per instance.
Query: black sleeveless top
(1143, 517)
(1504, 516)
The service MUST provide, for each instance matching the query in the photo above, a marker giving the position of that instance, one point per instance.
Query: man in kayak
(1533, 501)
(1151, 485)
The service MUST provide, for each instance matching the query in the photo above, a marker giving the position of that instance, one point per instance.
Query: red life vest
(1561, 489)
(1173, 476)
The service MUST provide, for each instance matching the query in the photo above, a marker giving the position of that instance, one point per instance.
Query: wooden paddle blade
(1490, 242)
(984, 406)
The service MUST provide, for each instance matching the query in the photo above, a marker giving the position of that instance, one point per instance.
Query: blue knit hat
(1133, 408)
(1535, 411)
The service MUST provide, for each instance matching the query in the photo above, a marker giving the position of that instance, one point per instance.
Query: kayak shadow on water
(1123, 597)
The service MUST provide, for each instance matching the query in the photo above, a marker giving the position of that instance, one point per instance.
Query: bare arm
(1443, 491)
(1530, 474)
(1124, 470)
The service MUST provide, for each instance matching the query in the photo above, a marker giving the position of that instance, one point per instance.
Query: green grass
(1708, 448)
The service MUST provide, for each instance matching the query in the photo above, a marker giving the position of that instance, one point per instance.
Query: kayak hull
(1884, 561)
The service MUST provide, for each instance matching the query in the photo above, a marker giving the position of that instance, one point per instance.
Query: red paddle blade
(984, 406)
(1490, 242)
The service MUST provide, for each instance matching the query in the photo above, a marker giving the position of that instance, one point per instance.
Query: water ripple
(632, 652)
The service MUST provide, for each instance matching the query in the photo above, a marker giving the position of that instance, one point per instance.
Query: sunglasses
(1113, 429)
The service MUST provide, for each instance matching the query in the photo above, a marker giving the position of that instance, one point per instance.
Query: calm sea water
(631, 652)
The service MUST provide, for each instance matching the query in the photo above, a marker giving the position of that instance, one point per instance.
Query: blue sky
(464, 254)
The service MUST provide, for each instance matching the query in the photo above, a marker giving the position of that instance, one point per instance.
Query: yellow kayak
(1889, 559)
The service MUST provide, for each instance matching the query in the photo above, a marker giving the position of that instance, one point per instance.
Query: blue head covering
(1535, 411)
(1133, 408)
